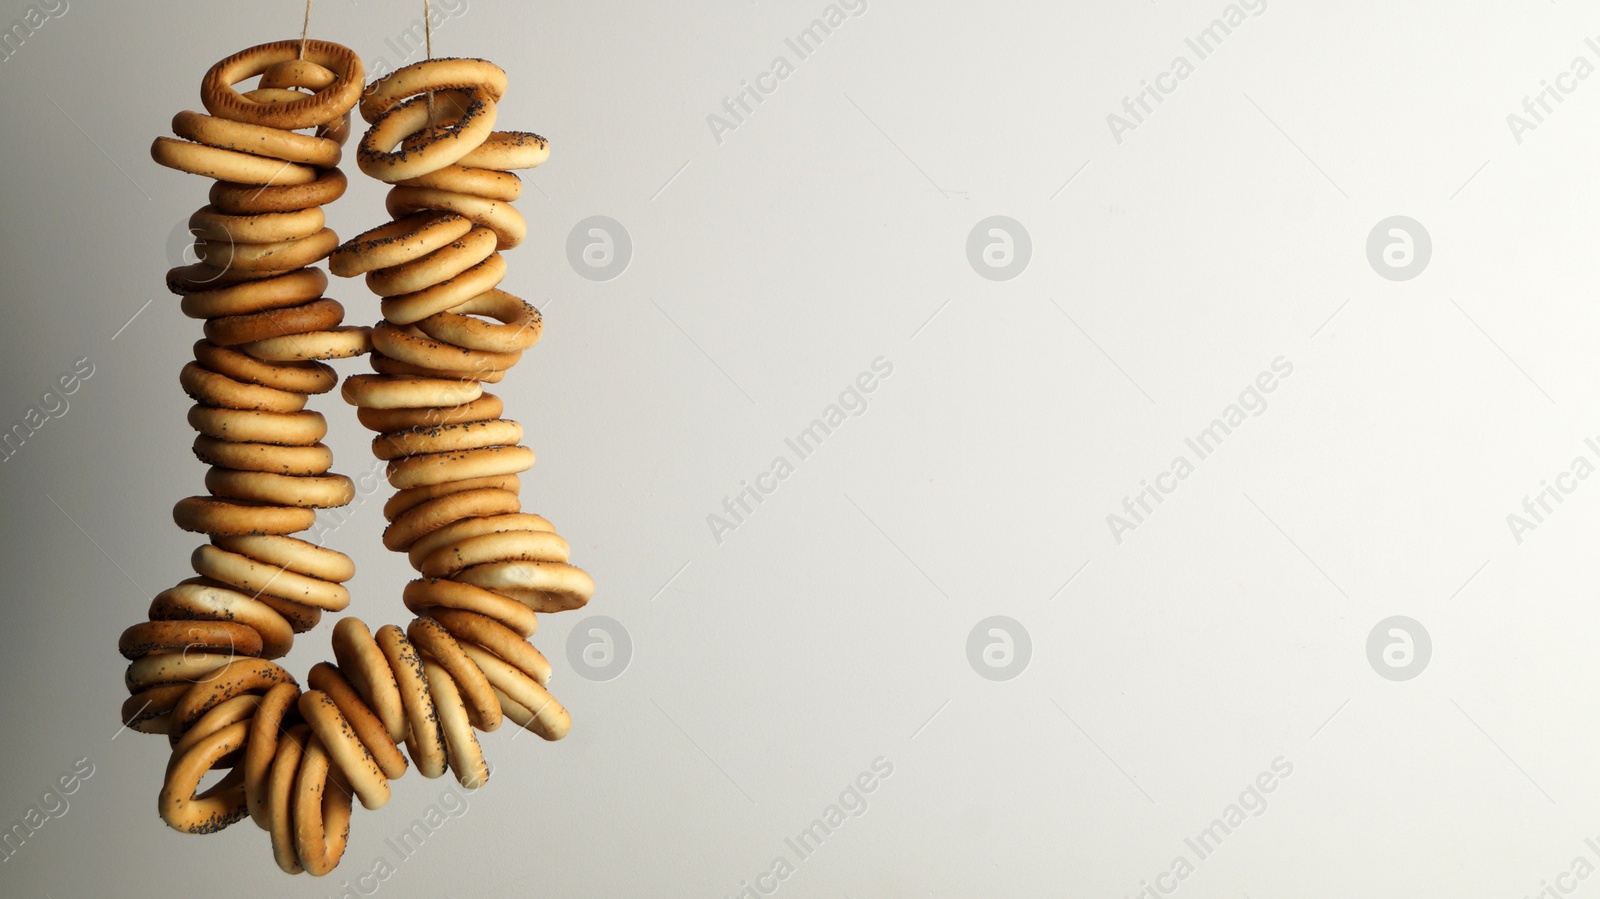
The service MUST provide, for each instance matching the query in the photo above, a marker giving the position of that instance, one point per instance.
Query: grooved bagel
(295, 754)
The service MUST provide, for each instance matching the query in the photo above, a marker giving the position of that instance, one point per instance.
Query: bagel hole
(304, 92)
(213, 777)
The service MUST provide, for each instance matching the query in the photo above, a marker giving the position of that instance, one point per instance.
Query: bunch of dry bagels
(201, 668)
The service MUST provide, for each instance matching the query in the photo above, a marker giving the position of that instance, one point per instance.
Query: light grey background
(830, 629)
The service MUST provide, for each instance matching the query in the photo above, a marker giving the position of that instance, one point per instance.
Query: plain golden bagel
(376, 391)
(211, 515)
(299, 377)
(200, 600)
(273, 143)
(209, 223)
(384, 365)
(463, 180)
(290, 289)
(228, 165)
(281, 256)
(257, 578)
(210, 388)
(317, 315)
(312, 491)
(293, 554)
(250, 199)
(543, 586)
(302, 428)
(507, 150)
(339, 342)
(220, 98)
(147, 637)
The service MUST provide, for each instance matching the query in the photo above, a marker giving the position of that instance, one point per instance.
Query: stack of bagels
(294, 757)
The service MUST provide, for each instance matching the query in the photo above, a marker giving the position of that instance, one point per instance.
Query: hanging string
(305, 29)
(427, 31)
